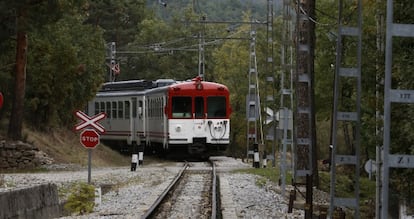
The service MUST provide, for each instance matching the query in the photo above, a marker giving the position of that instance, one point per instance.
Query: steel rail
(157, 202)
(214, 205)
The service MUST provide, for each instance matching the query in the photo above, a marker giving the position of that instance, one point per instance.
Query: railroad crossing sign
(89, 138)
(90, 121)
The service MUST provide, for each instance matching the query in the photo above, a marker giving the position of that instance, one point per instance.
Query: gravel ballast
(132, 193)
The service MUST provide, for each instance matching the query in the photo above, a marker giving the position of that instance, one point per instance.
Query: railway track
(192, 194)
(127, 194)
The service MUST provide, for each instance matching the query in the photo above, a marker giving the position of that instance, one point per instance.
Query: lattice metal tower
(304, 136)
(254, 128)
(286, 91)
(112, 61)
(393, 96)
(201, 43)
(347, 107)
(270, 80)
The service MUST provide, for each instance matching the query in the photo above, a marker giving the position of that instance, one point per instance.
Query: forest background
(65, 49)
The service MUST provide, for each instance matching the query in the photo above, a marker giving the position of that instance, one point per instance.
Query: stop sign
(89, 138)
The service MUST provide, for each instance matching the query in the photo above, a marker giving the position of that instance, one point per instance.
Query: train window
(127, 110)
(181, 107)
(159, 108)
(97, 110)
(108, 110)
(199, 107)
(150, 108)
(102, 108)
(216, 107)
(156, 108)
(134, 107)
(114, 108)
(140, 105)
(120, 109)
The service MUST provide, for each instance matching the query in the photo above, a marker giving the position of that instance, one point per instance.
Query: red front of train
(198, 115)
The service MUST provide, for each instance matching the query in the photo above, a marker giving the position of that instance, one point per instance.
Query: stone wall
(20, 155)
(35, 202)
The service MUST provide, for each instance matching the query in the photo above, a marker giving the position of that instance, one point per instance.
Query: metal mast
(347, 107)
(305, 135)
(201, 43)
(286, 92)
(253, 98)
(391, 95)
(112, 63)
(270, 80)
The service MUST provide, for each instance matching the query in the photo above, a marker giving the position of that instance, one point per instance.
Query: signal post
(89, 138)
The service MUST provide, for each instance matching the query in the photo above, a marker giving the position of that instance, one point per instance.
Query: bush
(81, 199)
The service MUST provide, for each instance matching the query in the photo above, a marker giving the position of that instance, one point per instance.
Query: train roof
(141, 87)
(126, 85)
(136, 85)
(191, 85)
(119, 93)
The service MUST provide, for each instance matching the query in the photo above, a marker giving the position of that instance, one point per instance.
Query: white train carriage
(193, 116)
(124, 109)
(123, 103)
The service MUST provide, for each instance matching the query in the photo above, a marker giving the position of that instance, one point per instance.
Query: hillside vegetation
(64, 147)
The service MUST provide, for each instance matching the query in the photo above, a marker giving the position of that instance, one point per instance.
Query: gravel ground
(136, 191)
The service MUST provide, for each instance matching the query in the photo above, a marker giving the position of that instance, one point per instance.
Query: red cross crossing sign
(90, 121)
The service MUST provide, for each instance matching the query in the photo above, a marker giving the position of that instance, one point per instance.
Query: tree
(16, 119)
(64, 51)
(66, 61)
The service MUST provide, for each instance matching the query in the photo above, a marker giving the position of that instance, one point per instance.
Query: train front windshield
(182, 107)
(216, 107)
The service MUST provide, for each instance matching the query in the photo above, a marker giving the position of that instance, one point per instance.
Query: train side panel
(156, 121)
(123, 123)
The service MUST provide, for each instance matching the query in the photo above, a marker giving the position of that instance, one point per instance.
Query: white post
(134, 162)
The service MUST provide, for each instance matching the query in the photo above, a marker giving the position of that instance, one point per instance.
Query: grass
(64, 146)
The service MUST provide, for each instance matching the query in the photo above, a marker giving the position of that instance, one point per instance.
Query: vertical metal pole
(89, 164)
(378, 160)
(305, 137)
(270, 79)
(252, 99)
(344, 73)
(387, 110)
(201, 59)
(113, 62)
(378, 132)
(286, 93)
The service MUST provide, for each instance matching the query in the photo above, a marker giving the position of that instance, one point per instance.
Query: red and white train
(165, 115)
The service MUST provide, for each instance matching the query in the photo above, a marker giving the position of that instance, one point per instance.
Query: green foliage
(65, 60)
(119, 19)
(228, 10)
(81, 199)
(344, 188)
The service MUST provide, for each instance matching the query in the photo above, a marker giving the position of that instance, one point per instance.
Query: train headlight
(178, 128)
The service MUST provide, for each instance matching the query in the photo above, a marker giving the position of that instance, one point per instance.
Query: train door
(199, 116)
(108, 125)
(131, 114)
(142, 118)
(164, 121)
